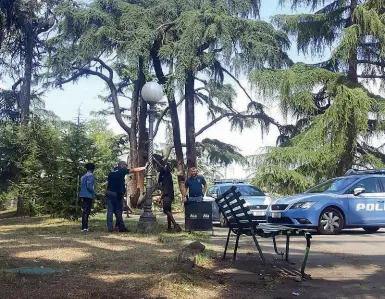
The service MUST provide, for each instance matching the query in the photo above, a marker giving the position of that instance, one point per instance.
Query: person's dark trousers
(87, 205)
(122, 209)
(115, 206)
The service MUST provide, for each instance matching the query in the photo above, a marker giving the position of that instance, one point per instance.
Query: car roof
(360, 176)
(230, 184)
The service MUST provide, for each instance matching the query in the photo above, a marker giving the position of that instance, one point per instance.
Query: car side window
(209, 191)
(212, 192)
(215, 192)
(371, 185)
(382, 180)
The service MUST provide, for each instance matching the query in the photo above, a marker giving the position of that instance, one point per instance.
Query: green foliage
(44, 161)
(281, 180)
(315, 149)
(25, 23)
(220, 153)
(8, 104)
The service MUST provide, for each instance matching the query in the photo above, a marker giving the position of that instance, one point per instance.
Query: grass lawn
(99, 264)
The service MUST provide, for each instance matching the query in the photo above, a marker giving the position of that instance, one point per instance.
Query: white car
(256, 200)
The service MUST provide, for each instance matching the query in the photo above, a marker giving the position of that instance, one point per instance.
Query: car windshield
(245, 190)
(332, 186)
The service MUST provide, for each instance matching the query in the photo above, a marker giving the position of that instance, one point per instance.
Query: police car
(257, 201)
(356, 200)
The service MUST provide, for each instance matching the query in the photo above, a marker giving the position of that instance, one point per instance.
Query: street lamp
(152, 93)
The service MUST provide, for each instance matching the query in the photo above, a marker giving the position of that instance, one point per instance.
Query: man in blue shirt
(195, 186)
(87, 193)
(116, 189)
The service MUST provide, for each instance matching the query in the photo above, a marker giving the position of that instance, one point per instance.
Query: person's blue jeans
(195, 198)
(115, 206)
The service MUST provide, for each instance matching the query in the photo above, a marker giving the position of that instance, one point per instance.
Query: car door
(367, 207)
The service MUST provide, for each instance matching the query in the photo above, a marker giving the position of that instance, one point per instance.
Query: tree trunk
(143, 133)
(173, 111)
(19, 207)
(190, 121)
(25, 92)
(352, 73)
(135, 192)
(347, 158)
(176, 133)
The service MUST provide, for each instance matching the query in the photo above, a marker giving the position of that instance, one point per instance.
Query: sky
(84, 94)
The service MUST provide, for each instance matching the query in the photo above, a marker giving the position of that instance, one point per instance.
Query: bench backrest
(233, 208)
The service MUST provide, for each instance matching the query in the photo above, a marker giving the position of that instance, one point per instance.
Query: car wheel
(371, 229)
(331, 222)
(222, 220)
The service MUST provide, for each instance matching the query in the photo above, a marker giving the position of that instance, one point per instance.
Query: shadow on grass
(7, 214)
(120, 265)
(97, 264)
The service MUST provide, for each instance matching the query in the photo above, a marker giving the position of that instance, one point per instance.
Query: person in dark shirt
(165, 180)
(195, 186)
(116, 189)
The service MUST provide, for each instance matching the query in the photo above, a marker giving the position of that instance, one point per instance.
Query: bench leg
(227, 243)
(288, 249)
(236, 246)
(307, 250)
(258, 247)
(275, 247)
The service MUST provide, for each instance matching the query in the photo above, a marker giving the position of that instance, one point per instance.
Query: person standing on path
(195, 186)
(116, 189)
(165, 180)
(87, 193)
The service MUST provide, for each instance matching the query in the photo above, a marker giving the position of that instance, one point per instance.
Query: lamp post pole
(151, 93)
(147, 219)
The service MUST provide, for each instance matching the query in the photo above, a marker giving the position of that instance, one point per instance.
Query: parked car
(257, 201)
(355, 200)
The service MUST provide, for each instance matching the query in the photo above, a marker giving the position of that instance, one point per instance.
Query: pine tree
(334, 110)
(34, 150)
(188, 37)
(24, 29)
(207, 35)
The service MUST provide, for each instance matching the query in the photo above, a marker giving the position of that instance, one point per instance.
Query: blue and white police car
(255, 199)
(356, 200)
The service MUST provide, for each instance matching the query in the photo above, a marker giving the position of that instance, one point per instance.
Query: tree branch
(201, 80)
(17, 83)
(371, 76)
(162, 115)
(367, 149)
(377, 63)
(70, 79)
(213, 122)
(168, 25)
(95, 73)
(169, 150)
(103, 64)
(238, 82)
(268, 118)
(111, 85)
(239, 115)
